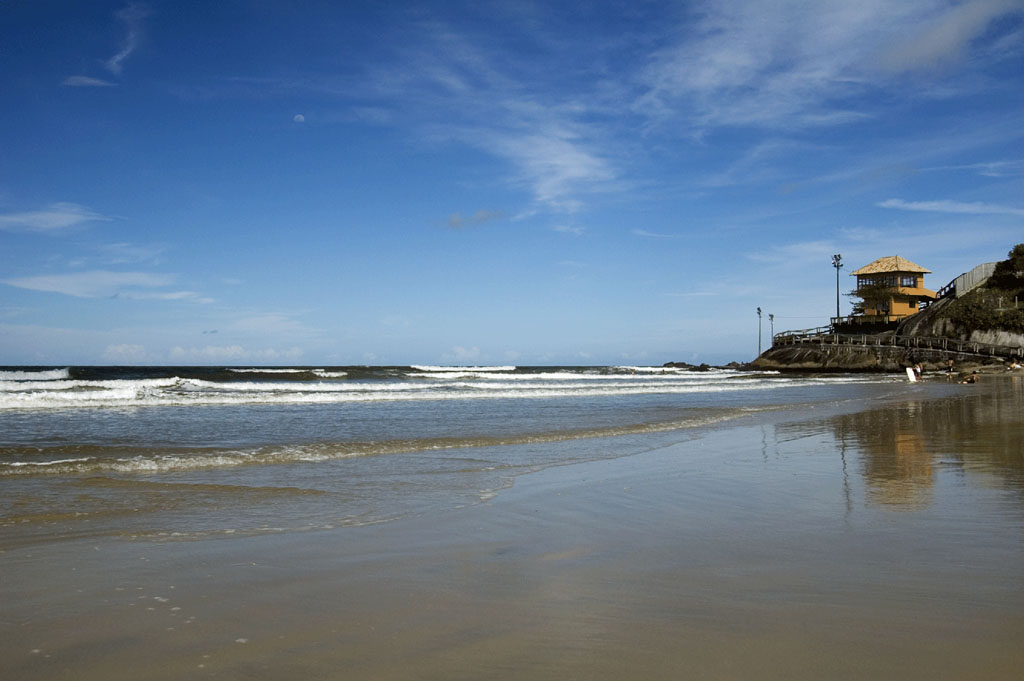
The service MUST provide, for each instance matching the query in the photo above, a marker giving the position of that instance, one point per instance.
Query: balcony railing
(866, 319)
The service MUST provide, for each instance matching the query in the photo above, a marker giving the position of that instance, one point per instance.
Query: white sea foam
(62, 394)
(10, 386)
(38, 464)
(323, 373)
(250, 386)
(442, 369)
(272, 371)
(50, 375)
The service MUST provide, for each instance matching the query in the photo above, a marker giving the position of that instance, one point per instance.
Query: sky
(305, 182)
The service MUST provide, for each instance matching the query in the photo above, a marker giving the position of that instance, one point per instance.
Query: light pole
(771, 321)
(837, 262)
(758, 332)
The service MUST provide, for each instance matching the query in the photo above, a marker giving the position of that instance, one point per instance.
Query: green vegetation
(999, 305)
(870, 295)
(1009, 274)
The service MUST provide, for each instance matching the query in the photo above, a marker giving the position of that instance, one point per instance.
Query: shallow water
(178, 453)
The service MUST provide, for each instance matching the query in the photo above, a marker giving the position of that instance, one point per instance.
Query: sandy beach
(880, 540)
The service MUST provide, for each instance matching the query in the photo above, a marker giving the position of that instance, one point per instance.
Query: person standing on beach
(949, 369)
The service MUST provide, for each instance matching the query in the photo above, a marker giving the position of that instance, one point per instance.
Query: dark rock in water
(703, 366)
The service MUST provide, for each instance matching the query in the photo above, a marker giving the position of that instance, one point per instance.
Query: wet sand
(882, 542)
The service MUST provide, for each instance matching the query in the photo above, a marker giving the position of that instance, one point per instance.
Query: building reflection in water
(904, 449)
(897, 466)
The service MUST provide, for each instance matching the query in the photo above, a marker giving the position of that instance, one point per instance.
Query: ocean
(508, 522)
(175, 453)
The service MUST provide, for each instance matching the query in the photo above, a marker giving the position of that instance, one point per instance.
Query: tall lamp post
(837, 262)
(758, 332)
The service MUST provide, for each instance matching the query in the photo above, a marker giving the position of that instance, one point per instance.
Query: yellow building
(904, 281)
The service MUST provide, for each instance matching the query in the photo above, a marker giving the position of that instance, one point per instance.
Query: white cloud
(54, 217)
(945, 38)
(987, 169)
(86, 81)
(457, 221)
(792, 63)
(94, 284)
(974, 208)
(125, 353)
(233, 353)
(654, 235)
(462, 354)
(119, 253)
(168, 295)
(569, 229)
(556, 164)
(131, 16)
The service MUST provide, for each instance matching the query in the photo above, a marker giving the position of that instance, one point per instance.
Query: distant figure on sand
(949, 369)
(1014, 365)
(973, 378)
(918, 369)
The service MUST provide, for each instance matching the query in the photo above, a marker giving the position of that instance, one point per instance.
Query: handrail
(918, 342)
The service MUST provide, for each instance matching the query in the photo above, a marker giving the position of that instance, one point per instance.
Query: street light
(758, 332)
(837, 262)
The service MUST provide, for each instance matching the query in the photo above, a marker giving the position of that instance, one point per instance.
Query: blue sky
(313, 182)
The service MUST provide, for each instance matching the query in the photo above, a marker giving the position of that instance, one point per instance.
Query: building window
(908, 280)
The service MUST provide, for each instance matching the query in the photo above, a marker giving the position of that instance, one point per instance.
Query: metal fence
(822, 336)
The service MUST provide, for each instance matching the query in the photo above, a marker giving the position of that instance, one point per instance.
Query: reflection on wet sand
(903, 445)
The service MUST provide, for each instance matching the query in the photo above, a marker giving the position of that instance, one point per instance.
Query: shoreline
(836, 544)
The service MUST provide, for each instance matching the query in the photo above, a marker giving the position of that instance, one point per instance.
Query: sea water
(173, 453)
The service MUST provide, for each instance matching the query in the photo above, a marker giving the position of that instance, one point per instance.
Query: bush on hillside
(987, 309)
(1009, 274)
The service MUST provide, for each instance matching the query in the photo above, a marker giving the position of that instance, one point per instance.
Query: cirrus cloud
(944, 206)
(94, 284)
(54, 217)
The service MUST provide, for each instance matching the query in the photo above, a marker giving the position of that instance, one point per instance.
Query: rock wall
(845, 358)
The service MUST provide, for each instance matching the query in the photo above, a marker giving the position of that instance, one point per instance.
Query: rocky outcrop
(688, 366)
(847, 358)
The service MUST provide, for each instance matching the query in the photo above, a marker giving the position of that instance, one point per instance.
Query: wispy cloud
(120, 253)
(229, 353)
(94, 284)
(54, 217)
(126, 353)
(972, 208)
(458, 221)
(654, 235)
(570, 229)
(450, 86)
(945, 36)
(556, 164)
(131, 17)
(793, 64)
(461, 354)
(986, 169)
(86, 81)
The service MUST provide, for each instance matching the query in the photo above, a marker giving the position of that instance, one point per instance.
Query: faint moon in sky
(299, 118)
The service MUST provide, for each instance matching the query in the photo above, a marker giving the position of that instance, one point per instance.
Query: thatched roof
(889, 264)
